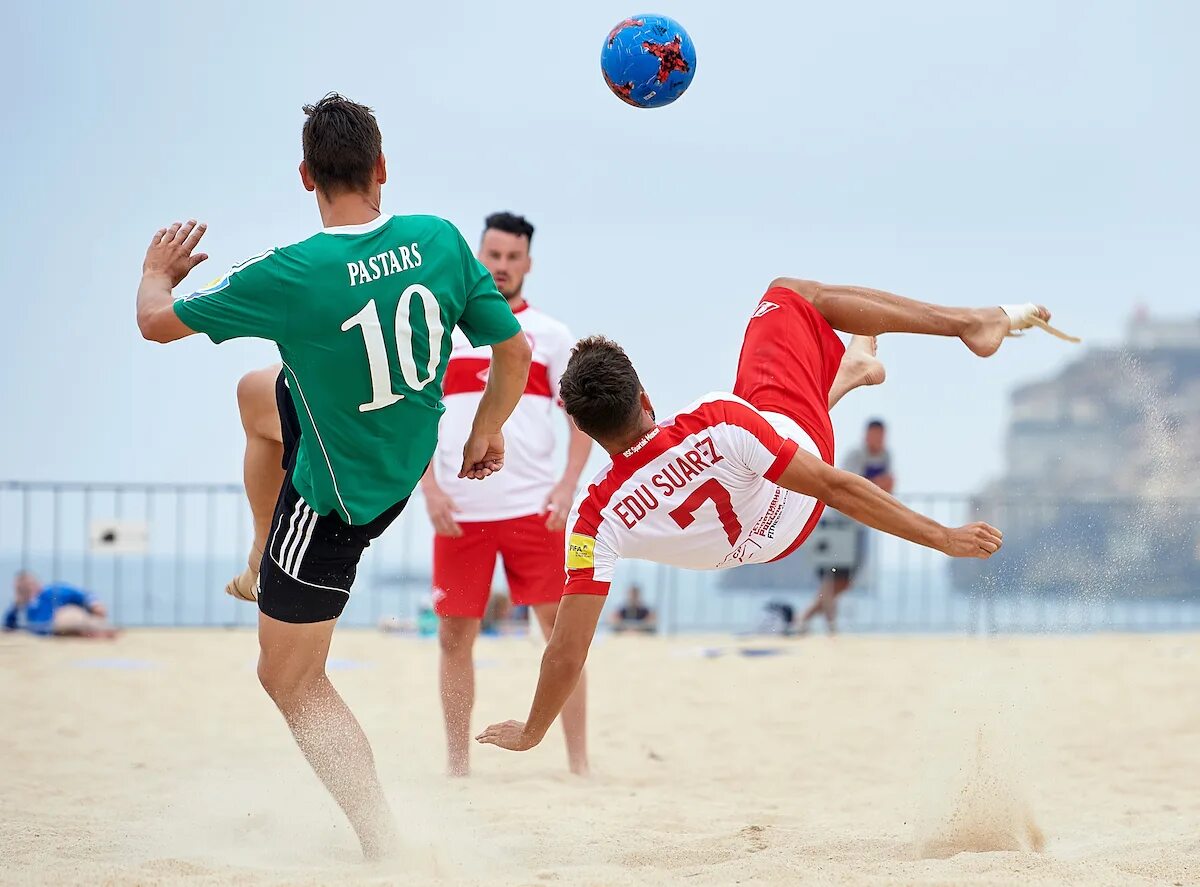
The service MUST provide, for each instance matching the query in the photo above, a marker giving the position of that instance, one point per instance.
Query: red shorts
(463, 567)
(790, 356)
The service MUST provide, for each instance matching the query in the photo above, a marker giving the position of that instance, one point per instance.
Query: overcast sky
(969, 153)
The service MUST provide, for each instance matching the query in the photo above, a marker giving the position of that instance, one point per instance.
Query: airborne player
(738, 478)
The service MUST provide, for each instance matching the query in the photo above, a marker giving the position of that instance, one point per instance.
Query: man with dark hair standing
(362, 313)
(872, 461)
(518, 516)
(737, 477)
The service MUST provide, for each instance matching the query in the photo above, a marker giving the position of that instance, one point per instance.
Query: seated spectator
(55, 610)
(634, 615)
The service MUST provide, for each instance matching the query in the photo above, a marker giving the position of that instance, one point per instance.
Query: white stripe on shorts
(290, 539)
(306, 538)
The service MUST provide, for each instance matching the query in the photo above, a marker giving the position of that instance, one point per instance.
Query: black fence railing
(159, 555)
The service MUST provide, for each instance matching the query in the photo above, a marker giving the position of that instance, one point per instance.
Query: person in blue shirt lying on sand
(55, 610)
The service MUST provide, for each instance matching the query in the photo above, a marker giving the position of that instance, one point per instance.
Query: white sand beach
(157, 760)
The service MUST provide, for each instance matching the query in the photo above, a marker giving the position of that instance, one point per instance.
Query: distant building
(1102, 487)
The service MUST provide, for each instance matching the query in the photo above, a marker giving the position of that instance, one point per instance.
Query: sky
(962, 153)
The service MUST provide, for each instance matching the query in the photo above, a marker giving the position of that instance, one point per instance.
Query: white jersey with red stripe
(529, 434)
(697, 492)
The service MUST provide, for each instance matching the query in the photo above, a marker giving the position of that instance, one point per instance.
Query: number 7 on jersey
(709, 491)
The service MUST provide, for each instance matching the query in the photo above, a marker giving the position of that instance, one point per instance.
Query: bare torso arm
(863, 501)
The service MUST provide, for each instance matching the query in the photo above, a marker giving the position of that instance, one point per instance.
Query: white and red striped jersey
(697, 492)
(529, 434)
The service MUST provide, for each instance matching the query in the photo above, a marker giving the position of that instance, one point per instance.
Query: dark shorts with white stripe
(311, 558)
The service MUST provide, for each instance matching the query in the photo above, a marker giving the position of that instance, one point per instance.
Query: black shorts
(311, 558)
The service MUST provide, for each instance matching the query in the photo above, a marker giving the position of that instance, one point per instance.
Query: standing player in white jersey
(519, 514)
(737, 478)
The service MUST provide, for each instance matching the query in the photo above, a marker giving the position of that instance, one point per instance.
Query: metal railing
(159, 555)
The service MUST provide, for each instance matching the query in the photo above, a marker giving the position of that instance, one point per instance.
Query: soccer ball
(648, 61)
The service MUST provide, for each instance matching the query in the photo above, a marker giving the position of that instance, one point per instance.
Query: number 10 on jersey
(367, 319)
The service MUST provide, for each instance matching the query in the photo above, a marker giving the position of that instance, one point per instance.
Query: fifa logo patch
(581, 552)
(214, 287)
(764, 307)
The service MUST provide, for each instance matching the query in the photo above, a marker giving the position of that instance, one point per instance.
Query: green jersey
(362, 315)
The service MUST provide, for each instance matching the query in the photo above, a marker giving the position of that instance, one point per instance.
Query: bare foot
(458, 769)
(580, 768)
(986, 332)
(244, 587)
(861, 364)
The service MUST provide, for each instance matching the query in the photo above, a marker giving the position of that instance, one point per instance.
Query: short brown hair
(341, 143)
(600, 389)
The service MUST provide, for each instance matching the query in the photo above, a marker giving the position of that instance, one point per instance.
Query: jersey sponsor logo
(764, 307)
(581, 552)
(637, 447)
(385, 264)
(740, 554)
(770, 519)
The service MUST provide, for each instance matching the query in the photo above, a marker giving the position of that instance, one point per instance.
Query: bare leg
(817, 606)
(71, 620)
(825, 602)
(456, 637)
(859, 367)
(262, 469)
(829, 597)
(868, 312)
(574, 713)
(291, 667)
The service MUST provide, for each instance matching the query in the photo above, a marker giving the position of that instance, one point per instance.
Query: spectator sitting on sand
(55, 610)
(634, 615)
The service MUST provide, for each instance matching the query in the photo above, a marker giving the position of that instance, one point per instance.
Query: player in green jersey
(362, 313)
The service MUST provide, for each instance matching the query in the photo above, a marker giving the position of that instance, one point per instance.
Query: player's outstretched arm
(168, 261)
(562, 664)
(858, 498)
(484, 452)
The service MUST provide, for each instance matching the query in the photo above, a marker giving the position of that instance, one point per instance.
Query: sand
(156, 759)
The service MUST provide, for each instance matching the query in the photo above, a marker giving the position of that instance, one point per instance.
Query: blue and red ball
(648, 60)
